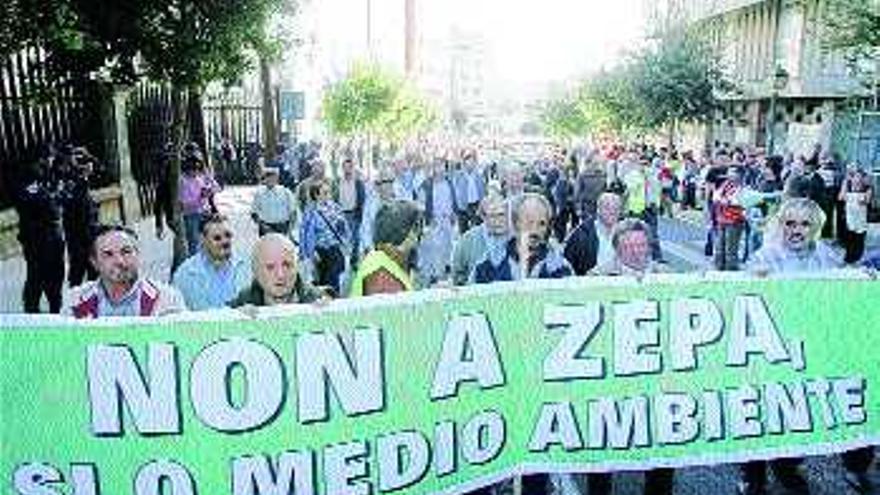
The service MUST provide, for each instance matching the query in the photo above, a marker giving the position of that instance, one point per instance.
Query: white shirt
(775, 258)
(348, 194)
(856, 212)
(605, 253)
(274, 205)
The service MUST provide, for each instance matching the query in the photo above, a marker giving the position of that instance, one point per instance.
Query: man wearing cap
(274, 206)
(120, 290)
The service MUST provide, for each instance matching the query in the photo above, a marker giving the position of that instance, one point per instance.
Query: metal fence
(149, 119)
(234, 133)
(38, 109)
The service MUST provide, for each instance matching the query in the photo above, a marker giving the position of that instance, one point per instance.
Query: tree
(611, 103)
(677, 81)
(852, 27)
(408, 114)
(355, 104)
(372, 102)
(183, 43)
(563, 117)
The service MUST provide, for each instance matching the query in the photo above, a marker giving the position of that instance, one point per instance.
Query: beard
(123, 275)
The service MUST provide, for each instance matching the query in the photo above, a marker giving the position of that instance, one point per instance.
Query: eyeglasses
(798, 223)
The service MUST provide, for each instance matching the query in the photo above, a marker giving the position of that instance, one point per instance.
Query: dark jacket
(582, 247)
(254, 295)
(806, 186)
(80, 211)
(428, 194)
(544, 264)
(38, 205)
(590, 185)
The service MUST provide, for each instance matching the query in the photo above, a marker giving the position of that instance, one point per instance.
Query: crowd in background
(439, 219)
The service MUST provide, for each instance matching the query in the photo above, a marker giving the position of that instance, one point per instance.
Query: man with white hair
(513, 180)
(794, 246)
(530, 253)
(492, 234)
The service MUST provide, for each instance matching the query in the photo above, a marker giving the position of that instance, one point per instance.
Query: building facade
(771, 50)
(453, 70)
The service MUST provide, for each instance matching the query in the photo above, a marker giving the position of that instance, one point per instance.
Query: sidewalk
(155, 253)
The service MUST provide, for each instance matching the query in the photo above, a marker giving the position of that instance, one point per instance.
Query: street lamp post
(780, 81)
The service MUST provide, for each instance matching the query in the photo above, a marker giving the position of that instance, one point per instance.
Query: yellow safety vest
(635, 192)
(374, 261)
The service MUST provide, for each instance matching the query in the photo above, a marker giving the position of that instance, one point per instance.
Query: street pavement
(683, 239)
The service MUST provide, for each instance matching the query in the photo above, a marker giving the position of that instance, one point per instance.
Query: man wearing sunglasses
(213, 276)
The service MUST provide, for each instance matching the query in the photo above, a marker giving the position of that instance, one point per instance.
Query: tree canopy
(371, 100)
(852, 27)
(187, 43)
(674, 80)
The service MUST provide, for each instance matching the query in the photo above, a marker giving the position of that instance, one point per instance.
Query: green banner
(442, 391)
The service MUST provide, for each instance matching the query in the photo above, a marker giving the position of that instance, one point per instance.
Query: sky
(532, 42)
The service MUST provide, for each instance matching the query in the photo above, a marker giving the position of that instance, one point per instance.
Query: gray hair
(520, 202)
(493, 197)
(272, 238)
(812, 210)
(626, 226)
(609, 196)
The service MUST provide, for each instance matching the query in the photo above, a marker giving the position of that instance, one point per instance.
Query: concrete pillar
(117, 155)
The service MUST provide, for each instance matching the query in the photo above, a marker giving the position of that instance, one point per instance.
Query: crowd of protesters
(442, 219)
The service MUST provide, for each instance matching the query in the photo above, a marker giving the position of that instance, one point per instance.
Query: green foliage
(372, 101)
(187, 43)
(675, 80)
(408, 114)
(564, 118)
(852, 27)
